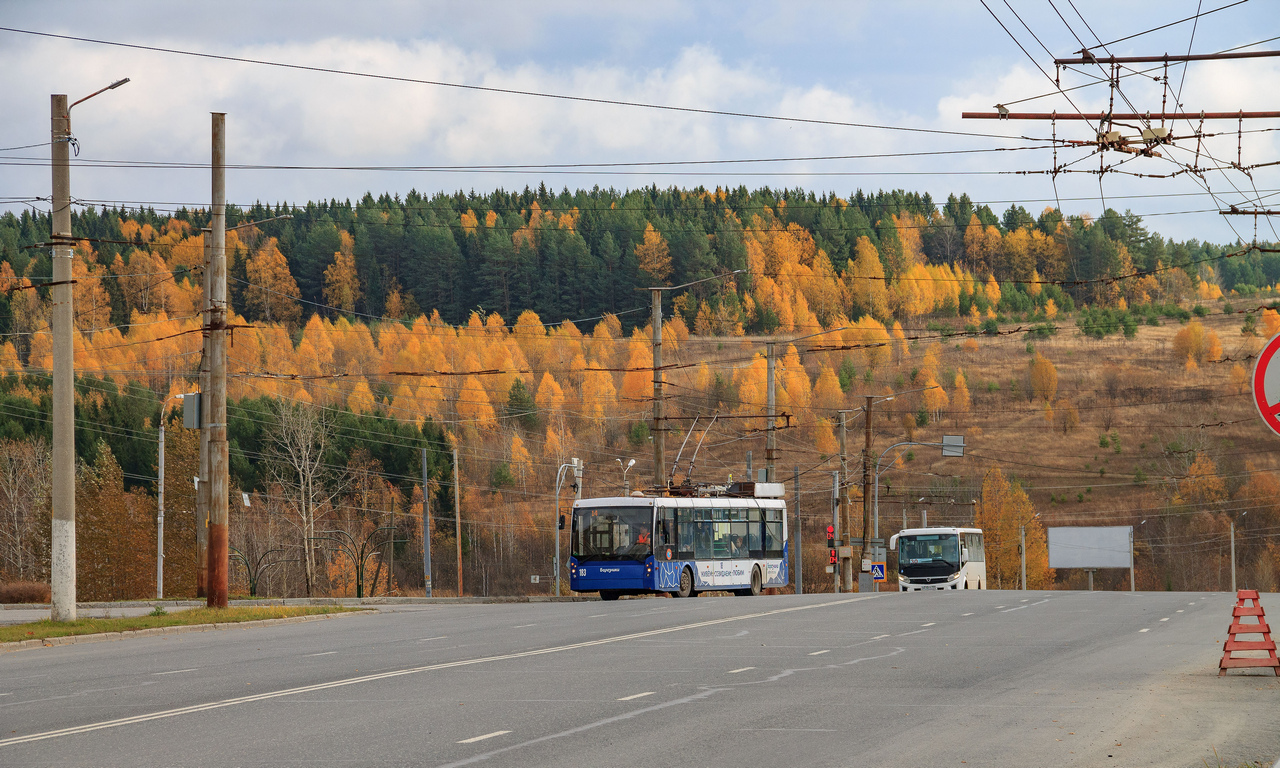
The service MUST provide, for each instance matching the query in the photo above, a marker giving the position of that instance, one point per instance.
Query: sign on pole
(1089, 546)
(877, 571)
(1266, 384)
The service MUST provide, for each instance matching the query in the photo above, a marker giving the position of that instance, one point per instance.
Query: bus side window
(685, 533)
(773, 533)
(664, 532)
(755, 532)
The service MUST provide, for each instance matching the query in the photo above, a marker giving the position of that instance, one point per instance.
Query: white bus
(940, 558)
(732, 540)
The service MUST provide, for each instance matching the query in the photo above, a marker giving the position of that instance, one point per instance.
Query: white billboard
(1091, 546)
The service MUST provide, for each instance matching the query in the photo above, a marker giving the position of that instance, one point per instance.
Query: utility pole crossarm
(1087, 57)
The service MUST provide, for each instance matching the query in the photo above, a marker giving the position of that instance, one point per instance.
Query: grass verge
(45, 628)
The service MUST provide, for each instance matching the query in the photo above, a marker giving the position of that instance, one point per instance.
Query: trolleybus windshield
(612, 533)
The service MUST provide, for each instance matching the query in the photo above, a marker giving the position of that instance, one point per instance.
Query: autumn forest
(1098, 370)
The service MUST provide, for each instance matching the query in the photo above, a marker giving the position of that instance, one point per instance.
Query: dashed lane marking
(930, 624)
(740, 669)
(1148, 629)
(193, 709)
(880, 637)
(176, 671)
(524, 626)
(474, 739)
(966, 614)
(1166, 618)
(323, 653)
(918, 631)
(637, 696)
(819, 653)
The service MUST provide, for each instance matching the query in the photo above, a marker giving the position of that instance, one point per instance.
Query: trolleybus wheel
(608, 594)
(754, 589)
(686, 584)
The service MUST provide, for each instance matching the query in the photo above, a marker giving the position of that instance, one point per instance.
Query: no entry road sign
(1266, 384)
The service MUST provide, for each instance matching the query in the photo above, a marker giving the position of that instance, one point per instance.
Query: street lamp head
(117, 84)
(631, 464)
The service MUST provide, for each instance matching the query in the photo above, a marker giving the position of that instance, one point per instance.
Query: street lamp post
(949, 448)
(576, 465)
(626, 486)
(62, 572)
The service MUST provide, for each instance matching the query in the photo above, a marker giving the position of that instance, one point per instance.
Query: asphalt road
(926, 679)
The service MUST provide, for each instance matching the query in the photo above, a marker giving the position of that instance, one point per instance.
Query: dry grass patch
(46, 628)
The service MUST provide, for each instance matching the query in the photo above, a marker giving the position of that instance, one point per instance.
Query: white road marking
(1165, 618)
(474, 739)
(802, 730)
(637, 696)
(879, 637)
(1020, 607)
(523, 626)
(1025, 599)
(819, 653)
(918, 631)
(1145, 630)
(930, 624)
(1179, 610)
(966, 614)
(415, 670)
(6, 694)
(441, 637)
(176, 671)
(1015, 608)
(323, 653)
(998, 607)
(597, 616)
(736, 671)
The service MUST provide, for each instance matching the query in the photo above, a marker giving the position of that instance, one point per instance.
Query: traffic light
(831, 537)
(832, 561)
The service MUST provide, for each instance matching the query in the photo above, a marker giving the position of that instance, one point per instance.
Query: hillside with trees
(513, 327)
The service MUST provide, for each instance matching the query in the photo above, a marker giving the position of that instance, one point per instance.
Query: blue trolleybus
(721, 539)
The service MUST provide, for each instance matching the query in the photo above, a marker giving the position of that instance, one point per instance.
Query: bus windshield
(612, 533)
(928, 554)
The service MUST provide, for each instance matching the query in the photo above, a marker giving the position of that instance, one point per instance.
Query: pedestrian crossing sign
(877, 571)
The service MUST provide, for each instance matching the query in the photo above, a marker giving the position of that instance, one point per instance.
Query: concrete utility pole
(798, 550)
(835, 523)
(771, 437)
(1233, 556)
(63, 572)
(426, 526)
(846, 518)
(62, 576)
(202, 484)
(219, 463)
(1022, 550)
(160, 513)
(457, 518)
(659, 425)
(866, 477)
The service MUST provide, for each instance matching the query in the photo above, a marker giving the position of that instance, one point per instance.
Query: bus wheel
(756, 582)
(686, 584)
(608, 594)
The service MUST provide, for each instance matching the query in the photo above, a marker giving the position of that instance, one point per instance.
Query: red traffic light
(833, 557)
(831, 537)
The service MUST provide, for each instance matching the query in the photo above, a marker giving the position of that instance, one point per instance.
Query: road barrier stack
(1256, 627)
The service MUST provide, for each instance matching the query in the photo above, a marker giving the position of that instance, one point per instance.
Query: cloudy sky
(902, 64)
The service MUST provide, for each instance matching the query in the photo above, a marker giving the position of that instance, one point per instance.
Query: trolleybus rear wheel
(755, 587)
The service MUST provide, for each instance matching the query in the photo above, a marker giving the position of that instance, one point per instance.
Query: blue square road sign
(877, 571)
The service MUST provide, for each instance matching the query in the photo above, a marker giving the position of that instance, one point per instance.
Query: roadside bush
(24, 592)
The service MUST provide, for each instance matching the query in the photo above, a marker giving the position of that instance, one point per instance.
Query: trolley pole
(219, 464)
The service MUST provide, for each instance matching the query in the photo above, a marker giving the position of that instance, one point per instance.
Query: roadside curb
(102, 637)
(348, 602)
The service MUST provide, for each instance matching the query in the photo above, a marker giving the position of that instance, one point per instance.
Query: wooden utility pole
(866, 480)
(219, 464)
(771, 437)
(846, 516)
(457, 518)
(426, 526)
(62, 576)
(659, 425)
(202, 473)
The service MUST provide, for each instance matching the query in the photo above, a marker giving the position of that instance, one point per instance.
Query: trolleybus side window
(664, 531)
(773, 533)
(702, 522)
(755, 532)
(684, 533)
